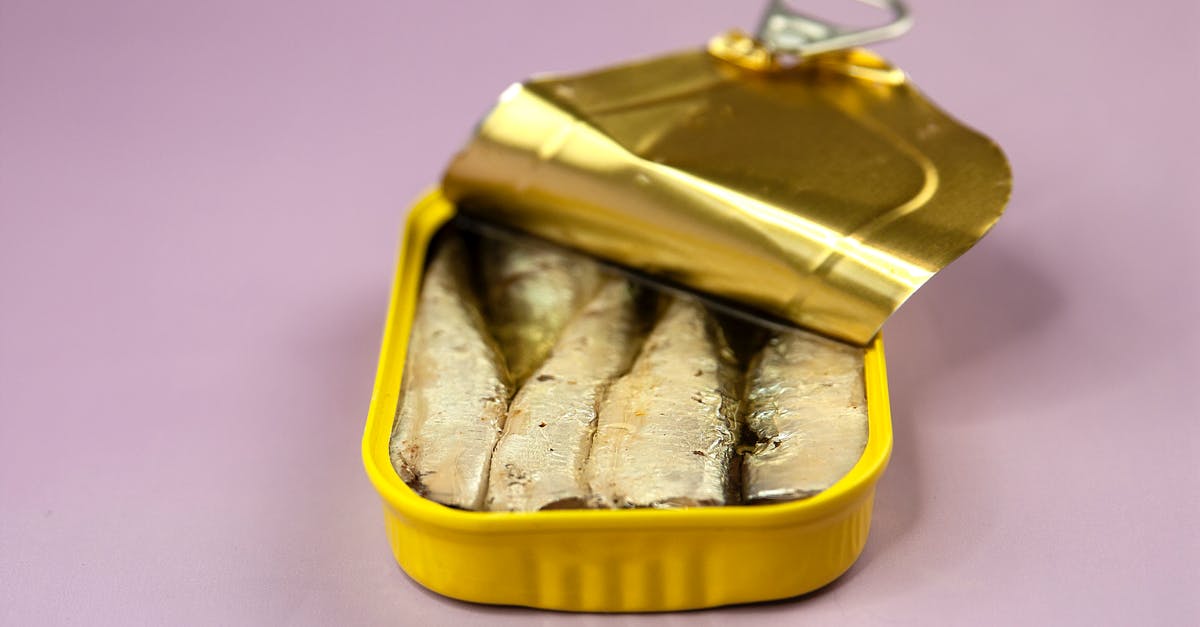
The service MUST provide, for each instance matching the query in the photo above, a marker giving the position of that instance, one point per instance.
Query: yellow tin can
(611, 560)
(819, 192)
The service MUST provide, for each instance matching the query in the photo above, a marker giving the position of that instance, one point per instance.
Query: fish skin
(539, 462)
(666, 430)
(455, 390)
(806, 405)
(532, 290)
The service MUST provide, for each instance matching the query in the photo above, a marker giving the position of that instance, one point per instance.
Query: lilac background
(199, 209)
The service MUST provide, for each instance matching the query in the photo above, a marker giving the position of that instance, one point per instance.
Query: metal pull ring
(785, 32)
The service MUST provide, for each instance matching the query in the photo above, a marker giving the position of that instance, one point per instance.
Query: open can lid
(823, 193)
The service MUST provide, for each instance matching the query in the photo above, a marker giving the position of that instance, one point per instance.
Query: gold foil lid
(824, 194)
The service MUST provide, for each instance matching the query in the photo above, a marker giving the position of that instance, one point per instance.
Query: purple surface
(199, 209)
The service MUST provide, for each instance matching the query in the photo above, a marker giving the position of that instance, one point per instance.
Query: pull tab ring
(783, 31)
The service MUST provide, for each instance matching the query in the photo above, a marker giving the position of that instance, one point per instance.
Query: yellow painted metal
(611, 560)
